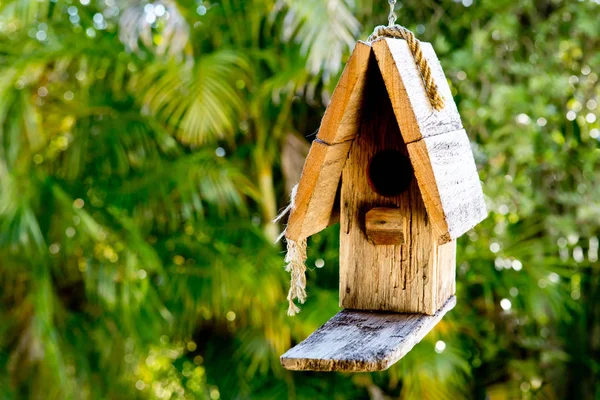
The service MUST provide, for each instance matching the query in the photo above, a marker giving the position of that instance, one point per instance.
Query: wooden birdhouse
(400, 178)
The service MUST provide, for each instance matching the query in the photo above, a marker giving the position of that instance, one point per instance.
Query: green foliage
(140, 169)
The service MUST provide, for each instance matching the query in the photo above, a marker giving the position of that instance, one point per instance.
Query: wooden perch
(361, 341)
(385, 226)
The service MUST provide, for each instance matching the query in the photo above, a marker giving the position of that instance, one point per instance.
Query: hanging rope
(400, 32)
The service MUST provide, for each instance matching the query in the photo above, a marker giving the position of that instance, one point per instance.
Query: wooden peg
(385, 226)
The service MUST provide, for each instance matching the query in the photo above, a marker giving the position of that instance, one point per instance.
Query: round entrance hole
(389, 173)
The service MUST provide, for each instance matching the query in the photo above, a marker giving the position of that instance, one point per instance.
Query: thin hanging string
(286, 211)
(400, 32)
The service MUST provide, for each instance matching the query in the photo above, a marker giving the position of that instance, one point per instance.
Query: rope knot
(400, 32)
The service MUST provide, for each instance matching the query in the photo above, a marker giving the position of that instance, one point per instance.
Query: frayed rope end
(296, 266)
(295, 259)
(293, 309)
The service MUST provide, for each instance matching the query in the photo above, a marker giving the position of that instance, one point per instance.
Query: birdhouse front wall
(414, 275)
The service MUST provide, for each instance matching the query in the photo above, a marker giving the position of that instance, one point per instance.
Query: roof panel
(342, 117)
(415, 115)
(314, 200)
(448, 180)
(315, 197)
(438, 146)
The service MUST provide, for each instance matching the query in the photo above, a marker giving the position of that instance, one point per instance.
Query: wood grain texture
(413, 110)
(342, 117)
(446, 271)
(315, 208)
(447, 176)
(359, 341)
(385, 226)
(399, 278)
(314, 201)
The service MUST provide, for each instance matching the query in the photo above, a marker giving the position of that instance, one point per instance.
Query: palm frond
(325, 30)
(158, 26)
(199, 102)
(24, 12)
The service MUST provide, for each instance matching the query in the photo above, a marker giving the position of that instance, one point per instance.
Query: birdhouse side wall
(417, 276)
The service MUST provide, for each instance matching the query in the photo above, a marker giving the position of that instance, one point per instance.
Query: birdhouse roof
(438, 147)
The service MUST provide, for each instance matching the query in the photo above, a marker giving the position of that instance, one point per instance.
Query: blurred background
(145, 148)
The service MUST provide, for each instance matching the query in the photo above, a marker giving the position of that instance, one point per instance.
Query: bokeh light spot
(440, 346)
(230, 316)
(505, 304)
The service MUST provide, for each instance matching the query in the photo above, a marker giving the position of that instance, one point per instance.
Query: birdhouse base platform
(362, 341)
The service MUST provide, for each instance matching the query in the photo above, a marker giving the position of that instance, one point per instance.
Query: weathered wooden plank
(342, 117)
(398, 278)
(314, 201)
(413, 110)
(448, 179)
(385, 226)
(446, 271)
(360, 341)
